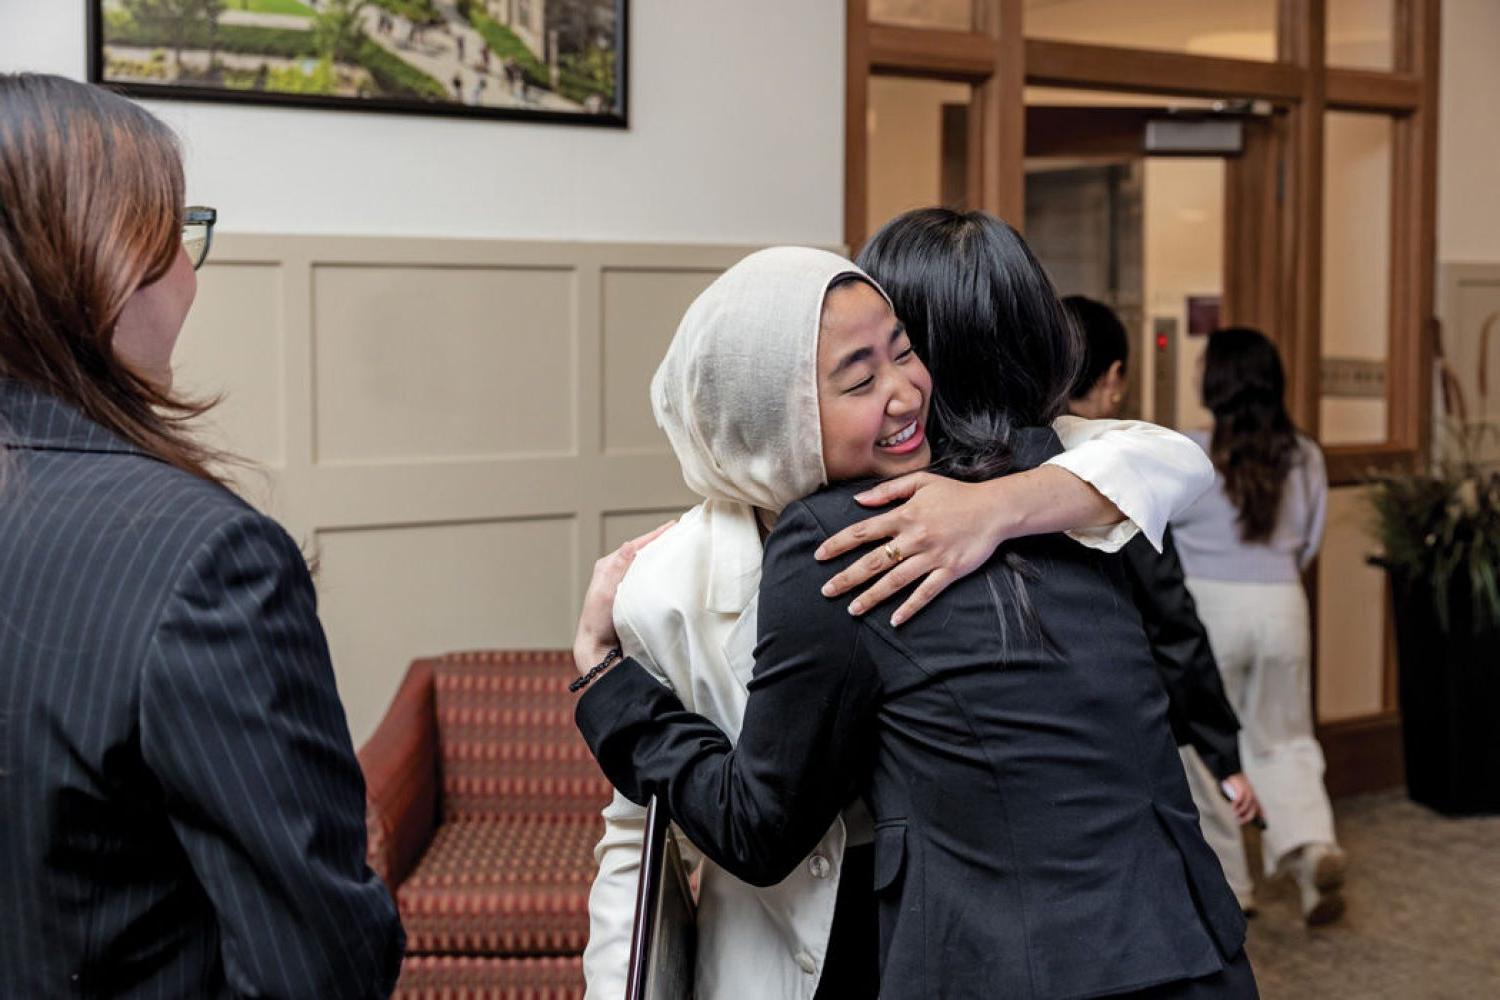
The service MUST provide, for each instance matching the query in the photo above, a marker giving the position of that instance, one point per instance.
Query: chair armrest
(402, 778)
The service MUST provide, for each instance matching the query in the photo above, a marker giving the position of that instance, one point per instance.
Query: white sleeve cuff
(1105, 475)
(1150, 473)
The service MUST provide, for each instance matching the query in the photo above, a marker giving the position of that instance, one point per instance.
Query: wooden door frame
(1284, 294)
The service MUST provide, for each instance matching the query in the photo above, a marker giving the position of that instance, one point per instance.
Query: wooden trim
(1302, 42)
(1004, 97)
(1363, 755)
(1422, 55)
(927, 52)
(975, 175)
(1073, 131)
(856, 124)
(1366, 90)
(1253, 228)
(1104, 67)
(1353, 464)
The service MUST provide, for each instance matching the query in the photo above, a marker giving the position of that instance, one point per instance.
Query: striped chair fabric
(483, 814)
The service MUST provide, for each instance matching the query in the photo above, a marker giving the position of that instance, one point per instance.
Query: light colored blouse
(1208, 531)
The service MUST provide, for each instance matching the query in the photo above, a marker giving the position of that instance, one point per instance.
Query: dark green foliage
(1441, 529)
(393, 77)
(396, 78)
(508, 45)
(286, 43)
(176, 20)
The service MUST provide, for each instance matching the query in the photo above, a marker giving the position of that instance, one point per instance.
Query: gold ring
(892, 551)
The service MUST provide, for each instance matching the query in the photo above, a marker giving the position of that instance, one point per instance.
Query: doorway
(1129, 202)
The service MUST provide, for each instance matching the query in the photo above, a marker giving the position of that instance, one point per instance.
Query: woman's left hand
(947, 529)
(944, 531)
(596, 623)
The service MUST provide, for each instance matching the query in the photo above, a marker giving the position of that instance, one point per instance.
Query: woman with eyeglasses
(183, 814)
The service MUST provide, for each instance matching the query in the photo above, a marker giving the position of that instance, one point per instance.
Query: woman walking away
(1244, 546)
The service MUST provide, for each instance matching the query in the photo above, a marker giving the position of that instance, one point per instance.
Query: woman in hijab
(758, 418)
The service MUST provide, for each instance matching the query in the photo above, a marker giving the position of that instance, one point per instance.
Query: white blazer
(770, 944)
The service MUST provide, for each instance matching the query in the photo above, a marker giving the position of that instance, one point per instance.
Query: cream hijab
(737, 395)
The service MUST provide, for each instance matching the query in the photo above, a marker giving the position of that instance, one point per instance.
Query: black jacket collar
(32, 419)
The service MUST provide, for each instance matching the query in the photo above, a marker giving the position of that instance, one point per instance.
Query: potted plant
(1439, 530)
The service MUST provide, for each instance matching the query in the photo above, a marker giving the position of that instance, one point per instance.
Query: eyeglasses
(198, 232)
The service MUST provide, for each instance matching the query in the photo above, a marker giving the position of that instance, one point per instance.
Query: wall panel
(1351, 613)
(619, 528)
(234, 344)
(438, 587)
(456, 429)
(642, 308)
(430, 362)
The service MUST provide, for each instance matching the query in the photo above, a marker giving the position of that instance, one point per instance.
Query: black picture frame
(616, 117)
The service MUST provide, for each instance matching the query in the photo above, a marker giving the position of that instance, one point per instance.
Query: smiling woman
(873, 390)
(987, 754)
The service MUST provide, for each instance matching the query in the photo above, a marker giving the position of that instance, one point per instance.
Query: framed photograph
(539, 60)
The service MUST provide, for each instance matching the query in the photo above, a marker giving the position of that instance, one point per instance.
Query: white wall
(1469, 133)
(736, 136)
(905, 131)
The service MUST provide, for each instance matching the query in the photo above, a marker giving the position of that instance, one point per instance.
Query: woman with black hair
(1034, 834)
(1205, 725)
(1244, 546)
(1102, 382)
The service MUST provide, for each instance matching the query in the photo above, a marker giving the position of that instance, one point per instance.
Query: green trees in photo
(178, 20)
(338, 28)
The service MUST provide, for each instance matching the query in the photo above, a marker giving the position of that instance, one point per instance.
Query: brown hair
(1254, 444)
(91, 202)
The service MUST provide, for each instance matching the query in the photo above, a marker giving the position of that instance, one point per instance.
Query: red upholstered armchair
(483, 811)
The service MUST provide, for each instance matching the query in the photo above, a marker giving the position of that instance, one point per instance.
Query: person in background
(181, 810)
(1203, 721)
(1244, 546)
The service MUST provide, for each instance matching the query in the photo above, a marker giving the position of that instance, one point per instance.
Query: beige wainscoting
(456, 429)
(1352, 613)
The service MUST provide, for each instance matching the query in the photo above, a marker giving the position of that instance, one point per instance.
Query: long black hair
(1104, 340)
(1254, 443)
(985, 318)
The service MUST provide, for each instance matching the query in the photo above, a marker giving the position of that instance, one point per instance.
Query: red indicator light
(1161, 341)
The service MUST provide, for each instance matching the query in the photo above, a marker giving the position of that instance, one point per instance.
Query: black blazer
(181, 812)
(1034, 832)
(1199, 709)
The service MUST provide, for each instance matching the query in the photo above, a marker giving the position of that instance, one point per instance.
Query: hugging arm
(1116, 477)
(1149, 473)
(759, 806)
(606, 959)
(1183, 655)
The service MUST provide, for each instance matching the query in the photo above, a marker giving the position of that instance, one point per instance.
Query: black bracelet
(608, 661)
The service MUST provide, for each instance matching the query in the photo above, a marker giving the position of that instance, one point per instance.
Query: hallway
(1423, 912)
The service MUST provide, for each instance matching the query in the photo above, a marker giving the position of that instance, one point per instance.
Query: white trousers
(1259, 635)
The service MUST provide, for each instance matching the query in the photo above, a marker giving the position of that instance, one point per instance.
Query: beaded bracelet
(608, 661)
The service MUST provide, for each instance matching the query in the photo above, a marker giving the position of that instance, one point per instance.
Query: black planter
(1449, 683)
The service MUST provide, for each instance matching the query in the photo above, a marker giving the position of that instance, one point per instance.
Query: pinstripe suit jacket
(181, 812)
